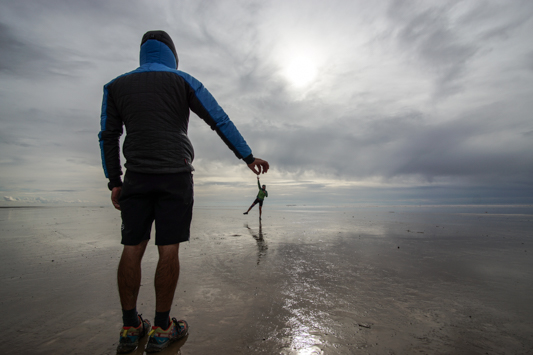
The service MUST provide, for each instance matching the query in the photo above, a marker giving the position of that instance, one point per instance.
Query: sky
(351, 102)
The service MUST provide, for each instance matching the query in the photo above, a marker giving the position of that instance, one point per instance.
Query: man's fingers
(259, 166)
(116, 204)
(265, 167)
(253, 168)
(115, 194)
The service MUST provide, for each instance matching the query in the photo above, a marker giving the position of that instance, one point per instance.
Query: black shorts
(258, 201)
(166, 198)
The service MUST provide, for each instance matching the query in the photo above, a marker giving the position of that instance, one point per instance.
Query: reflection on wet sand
(331, 281)
(305, 303)
(338, 284)
(262, 246)
(172, 349)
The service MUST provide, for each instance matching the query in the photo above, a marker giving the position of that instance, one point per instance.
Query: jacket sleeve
(206, 107)
(109, 136)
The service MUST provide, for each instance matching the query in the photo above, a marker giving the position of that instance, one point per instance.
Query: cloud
(445, 38)
(473, 145)
(10, 199)
(22, 57)
(428, 36)
(17, 55)
(407, 93)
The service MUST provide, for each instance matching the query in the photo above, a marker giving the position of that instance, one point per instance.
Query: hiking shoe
(130, 336)
(160, 338)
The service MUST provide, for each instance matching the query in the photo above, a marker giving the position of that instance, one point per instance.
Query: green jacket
(262, 194)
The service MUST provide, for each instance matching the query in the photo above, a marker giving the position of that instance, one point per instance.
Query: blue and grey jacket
(153, 102)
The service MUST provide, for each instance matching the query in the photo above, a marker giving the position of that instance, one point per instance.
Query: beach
(303, 280)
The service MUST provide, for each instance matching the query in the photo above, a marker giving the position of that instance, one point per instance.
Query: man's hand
(259, 166)
(115, 194)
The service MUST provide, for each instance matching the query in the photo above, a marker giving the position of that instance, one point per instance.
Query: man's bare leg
(166, 276)
(252, 206)
(260, 211)
(129, 274)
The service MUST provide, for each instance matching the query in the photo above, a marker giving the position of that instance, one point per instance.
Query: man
(153, 102)
(259, 199)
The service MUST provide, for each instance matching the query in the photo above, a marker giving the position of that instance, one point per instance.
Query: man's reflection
(262, 246)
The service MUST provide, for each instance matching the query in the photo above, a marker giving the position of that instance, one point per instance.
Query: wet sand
(365, 280)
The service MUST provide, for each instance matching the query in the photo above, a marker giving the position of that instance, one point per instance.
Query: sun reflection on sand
(304, 343)
(313, 350)
(305, 300)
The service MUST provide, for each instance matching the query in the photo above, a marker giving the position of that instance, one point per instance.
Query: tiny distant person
(259, 199)
(153, 103)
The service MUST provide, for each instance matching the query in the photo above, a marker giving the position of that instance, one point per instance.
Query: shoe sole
(151, 348)
(128, 348)
(155, 348)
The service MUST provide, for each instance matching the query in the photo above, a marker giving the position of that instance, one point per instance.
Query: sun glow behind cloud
(301, 70)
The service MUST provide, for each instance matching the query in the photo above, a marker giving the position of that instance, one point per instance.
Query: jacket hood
(157, 47)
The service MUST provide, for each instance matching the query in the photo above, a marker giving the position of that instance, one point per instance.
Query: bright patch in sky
(301, 71)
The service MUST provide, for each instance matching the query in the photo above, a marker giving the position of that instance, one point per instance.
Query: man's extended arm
(206, 107)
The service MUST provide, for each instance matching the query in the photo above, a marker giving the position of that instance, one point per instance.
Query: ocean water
(303, 280)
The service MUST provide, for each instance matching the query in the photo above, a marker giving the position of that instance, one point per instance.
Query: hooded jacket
(153, 103)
